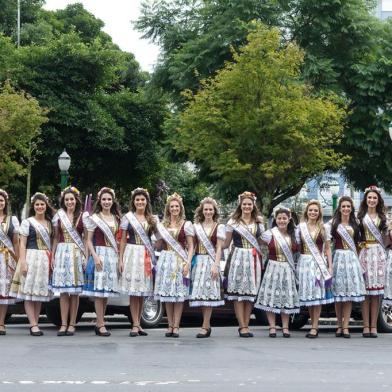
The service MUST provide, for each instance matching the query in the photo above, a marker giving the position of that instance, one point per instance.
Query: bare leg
(30, 308)
(374, 310)
(365, 314)
(64, 309)
(207, 312)
(347, 306)
(178, 307)
(141, 304)
(37, 310)
(285, 322)
(100, 307)
(248, 307)
(271, 317)
(3, 312)
(339, 316)
(239, 313)
(170, 315)
(134, 305)
(73, 311)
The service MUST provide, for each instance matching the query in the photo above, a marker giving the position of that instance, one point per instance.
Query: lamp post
(64, 162)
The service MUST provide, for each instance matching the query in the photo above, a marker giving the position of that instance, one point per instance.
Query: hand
(23, 268)
(52, 259)
(330, 270)
(98, 263)
(214, 272)
(185, 270)
(84, 263)
(121, 267)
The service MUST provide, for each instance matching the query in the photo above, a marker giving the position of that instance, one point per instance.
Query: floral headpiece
(70, 188)
(4, 193)
(140, 190)
(106, 189)
(373, 188)
(209, 200)
(174, 196)
(247, 195)
(281, 209)
(39, 194)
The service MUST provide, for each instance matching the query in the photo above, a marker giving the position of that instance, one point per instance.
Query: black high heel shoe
(339, 334)
(176, 334)
(62, 333)
(346, 335)
(99, 333)
(204, 335)
(366, 334)
(286, 334)
(310, 335)
(3, 332)
(272, 334)
(169, 334)
(70, 333)
(243, 334)
(35, 333)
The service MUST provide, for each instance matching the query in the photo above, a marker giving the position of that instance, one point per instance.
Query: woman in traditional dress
(387, 300)
(348, 283)
(373, 226)
(205, 275)
(9, 251)
(175, 238)
(314, 264)
(137, 256)
(243, 267)
(31, 279)
(69, 252)
(278, 291)
(101, 277)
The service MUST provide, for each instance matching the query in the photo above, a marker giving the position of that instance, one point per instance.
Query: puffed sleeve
(221, 232)
(229, 227)
(261, 229)
(89, 224)
(189, 229)
(266, 236)
(15, 223)
(55, 220)
(24, 228)
(328, 228)
(124, 223)
(298, 235)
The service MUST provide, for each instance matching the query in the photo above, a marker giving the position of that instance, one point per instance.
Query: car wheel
(52, 310)
(384, 323)
(153, 312)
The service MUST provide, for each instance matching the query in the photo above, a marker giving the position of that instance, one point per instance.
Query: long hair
(319, 221)
(148, 211)
(166, 215)
(255, 214)
(114, 209)
(7, 209)
(78, 204)
(49, 212)
(290, 226)
(337, 218)
(380, 209)
(199, 216)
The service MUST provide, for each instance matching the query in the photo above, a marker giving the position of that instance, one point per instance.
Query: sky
(117, 16)
(387, 5)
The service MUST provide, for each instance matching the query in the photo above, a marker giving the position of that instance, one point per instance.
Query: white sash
(285, 248)
(172, 242)
(42, 231)
(106, 230)
(6, 240)
(342, 231)
(71, 230)
(373, 229)
(315, 251)
(245, 233)
(142, 234)
(202, 236)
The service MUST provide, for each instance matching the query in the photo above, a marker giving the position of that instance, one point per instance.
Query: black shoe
(339, 334)
(373, 334)
(142, 333)
(346, 335)
(272, 334)
(175, 334)
(366, 334)
(243, 334)
(35, 333)
(169, 334)
(286, 334)
(62, 333)
(70, 333)
(204, 335)
(2, 332)
(133, 334)
(312, 336)
(99, 333)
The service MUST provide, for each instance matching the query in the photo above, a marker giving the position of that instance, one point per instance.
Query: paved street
(224, 361)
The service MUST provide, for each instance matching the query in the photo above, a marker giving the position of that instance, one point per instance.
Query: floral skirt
(35, 285)
(348, 282)
(136, 279)
(243, 275)
(311, 290)
(7, 270)
(170, 285)
(373, 261)
(102, 283)
(67, 274)
(205, 291)
(388, 281)
(278, 291)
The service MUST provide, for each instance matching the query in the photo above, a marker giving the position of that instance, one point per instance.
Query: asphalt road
(155, 363)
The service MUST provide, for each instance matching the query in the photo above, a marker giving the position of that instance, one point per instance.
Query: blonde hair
(166, 215)
(319, 221)
(199, 216)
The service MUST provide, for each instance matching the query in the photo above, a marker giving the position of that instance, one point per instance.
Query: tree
(256, 126)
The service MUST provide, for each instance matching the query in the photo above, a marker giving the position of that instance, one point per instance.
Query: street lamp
(64, 162)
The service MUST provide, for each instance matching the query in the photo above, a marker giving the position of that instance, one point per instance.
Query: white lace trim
(277, 310)
(98, 294)
(170, 299)
(240, 298)
(359, 298)
(210, 304)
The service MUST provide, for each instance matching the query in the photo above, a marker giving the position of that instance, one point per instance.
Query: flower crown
(174, 196)
(39, 194)
(373, 188)
(4, 193)
(106, 189)
(247, 195)
(70, 188)
(281, 209)
(209, 200)
(136, 190)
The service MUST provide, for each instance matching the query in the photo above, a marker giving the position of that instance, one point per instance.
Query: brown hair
(199, 216)
(78, 206)
(49, 212)
(148, 211)
(114, 209)
(380, 208)
(6, 206)
(255, 214)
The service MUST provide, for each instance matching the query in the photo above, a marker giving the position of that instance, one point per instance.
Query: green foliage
(256, 126)
(21, 118)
